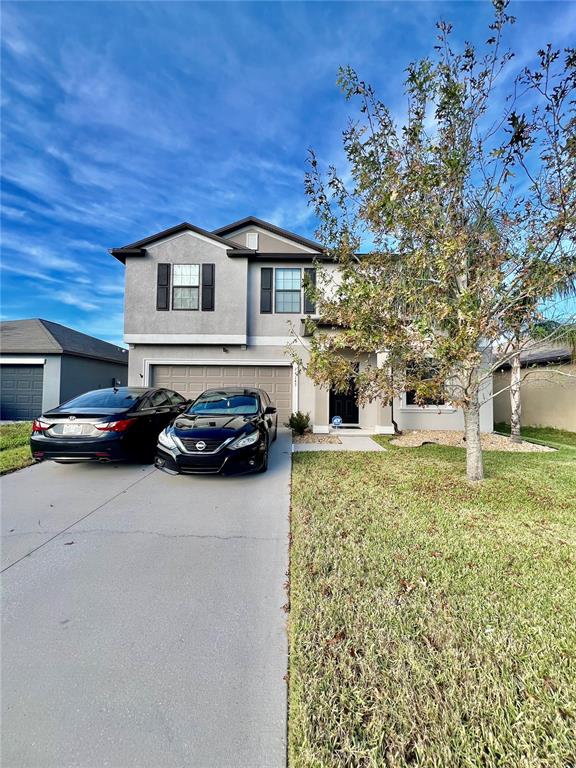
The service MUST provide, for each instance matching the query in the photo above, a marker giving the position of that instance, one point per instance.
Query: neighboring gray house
(210, 309)
(43, 364)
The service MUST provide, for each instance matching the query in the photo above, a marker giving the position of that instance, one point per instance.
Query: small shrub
(299, 422)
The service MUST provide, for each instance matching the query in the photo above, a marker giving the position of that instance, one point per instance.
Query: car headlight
(245, 441)
(166, 439)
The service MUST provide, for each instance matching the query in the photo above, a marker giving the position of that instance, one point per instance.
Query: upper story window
(186, 286)
(190, 286)
(285, 290)
(288, 287)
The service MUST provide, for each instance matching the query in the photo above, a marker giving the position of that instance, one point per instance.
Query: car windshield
(117, 399)
(225, 404)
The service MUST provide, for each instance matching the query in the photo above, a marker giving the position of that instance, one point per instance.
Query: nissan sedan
(224, 430)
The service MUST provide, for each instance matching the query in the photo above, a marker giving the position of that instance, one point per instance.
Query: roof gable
(285, 234)
(137, 248)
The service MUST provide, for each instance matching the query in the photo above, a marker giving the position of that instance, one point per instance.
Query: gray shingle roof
(543, 353)
(38, 336)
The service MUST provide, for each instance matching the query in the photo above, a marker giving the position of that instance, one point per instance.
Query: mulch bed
(309, 437)
(490, 441)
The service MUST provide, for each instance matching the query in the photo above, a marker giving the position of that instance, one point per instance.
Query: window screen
(186, 286)
(288, 284)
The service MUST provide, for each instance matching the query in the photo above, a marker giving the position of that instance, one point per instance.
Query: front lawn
(14, 446)
(431, 623)
(543, 434)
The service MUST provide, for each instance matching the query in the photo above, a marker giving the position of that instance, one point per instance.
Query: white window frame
(446, 407)
(185, 285)
(283, 290)
(252, 240)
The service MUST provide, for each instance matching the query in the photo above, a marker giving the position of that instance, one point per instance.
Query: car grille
(212, 444)
(210, 465)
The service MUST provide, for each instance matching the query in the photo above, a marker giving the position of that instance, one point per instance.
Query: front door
(345, 404)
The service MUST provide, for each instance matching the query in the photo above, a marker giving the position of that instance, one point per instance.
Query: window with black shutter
(163, 287)
(266, 281)
(309, 281)
(207, 287)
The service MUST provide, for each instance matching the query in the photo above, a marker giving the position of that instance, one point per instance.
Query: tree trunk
(474, 462)
(515, 401)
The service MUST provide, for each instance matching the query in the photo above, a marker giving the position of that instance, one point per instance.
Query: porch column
(384, 424)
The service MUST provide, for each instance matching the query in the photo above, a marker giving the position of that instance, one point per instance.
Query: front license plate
(72, 429)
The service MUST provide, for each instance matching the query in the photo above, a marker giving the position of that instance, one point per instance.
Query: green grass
(14, 446)
(431, 623)
(542, 434)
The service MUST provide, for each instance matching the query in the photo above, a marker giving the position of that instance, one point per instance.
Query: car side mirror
(270, 409)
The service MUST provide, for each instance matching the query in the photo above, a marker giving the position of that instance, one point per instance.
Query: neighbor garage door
(21, 391)
(191, 380)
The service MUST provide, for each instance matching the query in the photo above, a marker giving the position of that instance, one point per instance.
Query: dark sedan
(224, 430)
(106, 425)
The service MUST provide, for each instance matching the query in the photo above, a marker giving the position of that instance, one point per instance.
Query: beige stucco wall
(268, 242)
(548, 399)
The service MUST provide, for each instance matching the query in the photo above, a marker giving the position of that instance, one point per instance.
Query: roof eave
(138, 248)
(121, 253)
(263, 256)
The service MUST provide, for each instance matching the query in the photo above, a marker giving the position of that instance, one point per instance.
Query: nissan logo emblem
(200, 446)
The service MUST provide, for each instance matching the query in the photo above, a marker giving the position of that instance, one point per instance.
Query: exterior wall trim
(22, 360)
(446, 408)
(148, 362)
(183, 338)
(270, 341)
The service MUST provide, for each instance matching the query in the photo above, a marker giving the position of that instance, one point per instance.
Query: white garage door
(191, 380)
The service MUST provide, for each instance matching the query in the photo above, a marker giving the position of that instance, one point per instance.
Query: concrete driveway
(142, 617)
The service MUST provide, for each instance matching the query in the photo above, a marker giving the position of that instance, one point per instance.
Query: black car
(106, 425)
(224, 430)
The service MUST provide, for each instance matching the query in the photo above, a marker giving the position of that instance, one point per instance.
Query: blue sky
(123, 118)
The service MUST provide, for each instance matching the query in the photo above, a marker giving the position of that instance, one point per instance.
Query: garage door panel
(191, 380)
(21, 391)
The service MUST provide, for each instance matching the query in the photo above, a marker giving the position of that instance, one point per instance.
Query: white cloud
(31, 274)
(73, 300)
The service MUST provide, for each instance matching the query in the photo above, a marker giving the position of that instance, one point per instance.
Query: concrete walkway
(142, 621)
(348, 443)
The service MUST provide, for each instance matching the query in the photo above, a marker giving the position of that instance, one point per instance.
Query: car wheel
(264, 466)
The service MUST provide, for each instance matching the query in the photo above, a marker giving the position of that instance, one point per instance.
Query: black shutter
(266, 277)
(207, 287)
(309, 279)
(163, 287)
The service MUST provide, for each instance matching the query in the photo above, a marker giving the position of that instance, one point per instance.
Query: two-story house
(213, 309)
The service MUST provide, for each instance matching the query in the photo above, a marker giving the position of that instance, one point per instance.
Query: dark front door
(345, 404)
